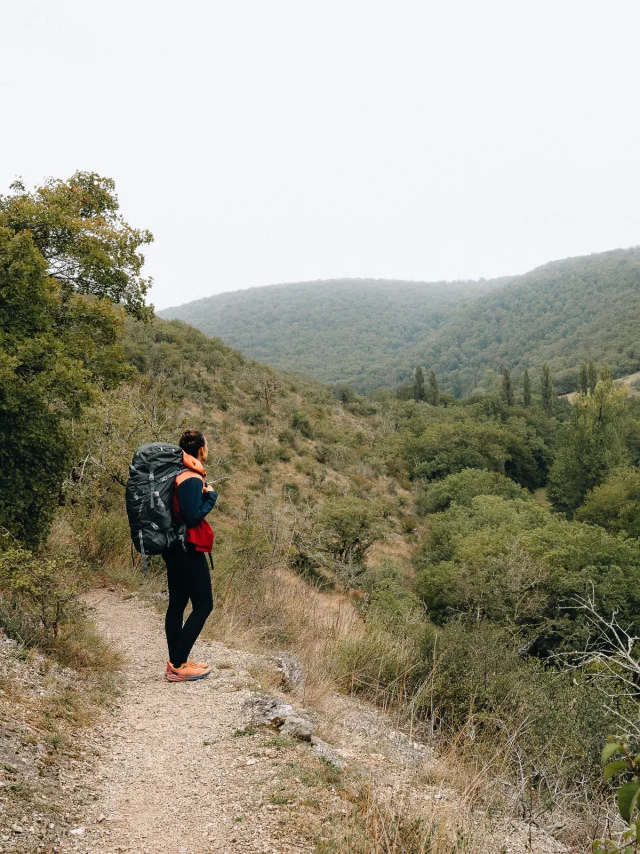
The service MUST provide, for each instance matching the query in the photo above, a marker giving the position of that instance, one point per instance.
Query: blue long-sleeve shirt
(194, 503)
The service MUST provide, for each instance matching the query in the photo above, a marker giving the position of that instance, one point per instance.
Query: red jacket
(191, 504)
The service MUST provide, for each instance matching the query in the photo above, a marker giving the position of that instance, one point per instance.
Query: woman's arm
(194, 503)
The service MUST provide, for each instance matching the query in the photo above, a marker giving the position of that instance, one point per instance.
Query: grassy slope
(372, 333)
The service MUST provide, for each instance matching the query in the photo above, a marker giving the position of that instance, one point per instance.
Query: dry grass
(375, 824)
(287, 614)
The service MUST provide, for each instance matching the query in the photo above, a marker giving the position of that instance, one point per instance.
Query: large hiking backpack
(149, 497)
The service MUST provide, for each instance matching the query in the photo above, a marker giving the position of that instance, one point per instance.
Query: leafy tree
(462, 487)
(526, 389)
(65, 256)
(88, 247)
(418, 384)
(591, 445)
(516, 564)
(547, 389)
(350, 527)
(344, 393)
(583, 382)
(592, 376)
(507, 387)
(433, 392)
(615, 504)
(42, 386)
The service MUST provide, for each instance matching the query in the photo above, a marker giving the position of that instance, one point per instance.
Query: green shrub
(287, 437)
(265, 453)
(460, 488)
(38, 594)
(388, 600)
(301, 424)
(350, 526)
(254, 417)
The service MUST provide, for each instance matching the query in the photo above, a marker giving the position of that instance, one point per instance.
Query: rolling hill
(371, 333)
(355, 330)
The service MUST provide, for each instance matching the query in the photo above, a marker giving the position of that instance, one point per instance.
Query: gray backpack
(149, 498)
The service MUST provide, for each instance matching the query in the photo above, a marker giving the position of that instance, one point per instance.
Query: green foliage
(526, 389)
(344, 393)
(462, 487)
(418, 384)
(38, 594)
(507, 387)
(591, 445)
(615, 504)
(388, 601)
(43, 384)
(301, 424)
(626, 772)
(65, 255)
(583, 380)
(351, 526)
(592, 376)
(515, 564)
(546, 389)
(445, 444)
(432, 394)
(88, 248)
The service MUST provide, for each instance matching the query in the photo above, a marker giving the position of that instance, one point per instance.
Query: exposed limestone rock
(290, 669)
(270, 711)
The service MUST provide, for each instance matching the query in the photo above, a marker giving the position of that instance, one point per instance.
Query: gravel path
(171, 775)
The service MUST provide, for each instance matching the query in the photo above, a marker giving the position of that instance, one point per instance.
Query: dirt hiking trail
(177, 769)
(172, 776)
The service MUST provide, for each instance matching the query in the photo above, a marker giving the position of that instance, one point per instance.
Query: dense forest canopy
(372, 333)
(353, 330)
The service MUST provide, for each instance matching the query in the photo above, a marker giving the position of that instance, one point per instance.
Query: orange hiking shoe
(199, 666)
(185, 673)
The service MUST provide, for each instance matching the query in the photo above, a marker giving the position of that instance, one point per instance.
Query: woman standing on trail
(187, 570)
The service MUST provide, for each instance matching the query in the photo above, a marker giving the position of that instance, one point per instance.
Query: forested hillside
(372, 334)
(563, 313)
(352, 330)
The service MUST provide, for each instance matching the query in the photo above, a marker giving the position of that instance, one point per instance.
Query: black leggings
(188, 577)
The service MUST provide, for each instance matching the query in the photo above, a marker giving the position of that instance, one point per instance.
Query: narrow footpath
(171, 774)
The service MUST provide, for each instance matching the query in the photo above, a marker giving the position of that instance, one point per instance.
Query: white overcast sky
(266, 141)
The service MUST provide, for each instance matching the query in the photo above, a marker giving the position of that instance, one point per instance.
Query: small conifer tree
(592, 377)
(418, 384)
(433, 392)
(583, 380)
(526, 389)
(547, 389)
(507, 387)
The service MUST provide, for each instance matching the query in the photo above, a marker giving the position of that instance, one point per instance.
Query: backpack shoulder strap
(185, 474)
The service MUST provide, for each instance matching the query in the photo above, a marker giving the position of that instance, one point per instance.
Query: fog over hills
(372, 332)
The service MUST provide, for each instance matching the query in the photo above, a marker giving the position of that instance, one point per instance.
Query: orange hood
(192, 463)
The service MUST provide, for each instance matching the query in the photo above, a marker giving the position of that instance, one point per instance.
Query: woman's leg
(176, 562)
(198, 585)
